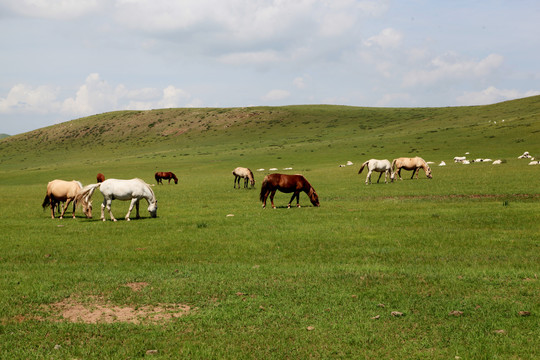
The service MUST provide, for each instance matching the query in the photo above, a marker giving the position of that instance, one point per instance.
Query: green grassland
(457, 256)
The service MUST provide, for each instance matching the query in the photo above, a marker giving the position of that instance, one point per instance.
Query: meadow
(441, 268)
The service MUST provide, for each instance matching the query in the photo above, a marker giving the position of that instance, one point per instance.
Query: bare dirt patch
(137, 286)
(99, 311)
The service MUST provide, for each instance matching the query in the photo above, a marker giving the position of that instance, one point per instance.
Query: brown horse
(100, 178)
(413, 164)
(60, 191)
(165, 175)
(287, 184)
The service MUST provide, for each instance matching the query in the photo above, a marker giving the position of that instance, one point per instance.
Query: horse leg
(107, 204)
(297, 198)
(66, 205)
(413, 171)
(380, 174)
(368, 177)
(264, 198)
(245, 183)
(134, 202)
(385, 176)
(399, 174)
(53, 205)
(235, 179)
(272, 198)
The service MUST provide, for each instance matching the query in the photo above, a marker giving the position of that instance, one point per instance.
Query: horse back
(287, 183)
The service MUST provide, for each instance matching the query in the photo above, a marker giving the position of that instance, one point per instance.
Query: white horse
(381, 166)
(114, 189)
(243, 173)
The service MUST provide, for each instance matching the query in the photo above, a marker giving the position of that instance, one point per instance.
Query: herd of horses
(60, 191)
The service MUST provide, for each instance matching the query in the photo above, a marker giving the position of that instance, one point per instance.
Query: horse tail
(363, 165)
(86, 193)
(46, 201)
(264, 189)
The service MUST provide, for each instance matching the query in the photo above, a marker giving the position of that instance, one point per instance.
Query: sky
(65, 59)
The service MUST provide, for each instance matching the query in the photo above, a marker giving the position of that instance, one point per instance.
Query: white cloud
(52, 9)
(450, 67)
(299, 82)
(257, 58)
(94, 96)
(388, 38)
(276, 95)
(492, 95)
(27, 99)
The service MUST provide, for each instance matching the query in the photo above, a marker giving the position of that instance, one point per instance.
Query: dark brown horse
(100, 178)
(287, 184)
(165, 175)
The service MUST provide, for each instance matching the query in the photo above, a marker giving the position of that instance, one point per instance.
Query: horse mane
(251, 174)
(147, 185)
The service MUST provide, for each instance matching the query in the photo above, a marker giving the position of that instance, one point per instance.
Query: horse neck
(149, 194)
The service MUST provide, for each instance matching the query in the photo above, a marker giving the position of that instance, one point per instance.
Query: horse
(381, 166)
(246, 174)
(64, 191)
(114, 189)
(165, 175)
(100, 178)
(287, 184)
(413, 164)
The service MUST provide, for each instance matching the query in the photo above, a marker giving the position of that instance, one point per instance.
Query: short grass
(458, 255)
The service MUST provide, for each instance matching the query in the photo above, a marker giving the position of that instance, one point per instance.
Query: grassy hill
(287, 133)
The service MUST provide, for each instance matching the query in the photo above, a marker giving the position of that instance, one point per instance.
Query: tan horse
(64, 191)
(243, 173)
(413, 164)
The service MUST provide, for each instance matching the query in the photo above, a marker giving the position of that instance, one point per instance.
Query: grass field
(444, 268)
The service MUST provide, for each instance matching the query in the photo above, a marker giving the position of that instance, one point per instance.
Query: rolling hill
(329, 132)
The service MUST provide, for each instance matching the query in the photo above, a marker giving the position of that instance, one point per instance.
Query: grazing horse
(413, 164)
(287, 184)
(246, 174)
(165, 175)
(381, 166)
(100, 178)
(64, 191)
(114, 189)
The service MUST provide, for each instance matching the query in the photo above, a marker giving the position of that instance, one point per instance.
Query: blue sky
(62, 60)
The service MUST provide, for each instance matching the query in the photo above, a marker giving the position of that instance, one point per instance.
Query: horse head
(313, 197)
(152, 208)
(87, 209)
(428, 172)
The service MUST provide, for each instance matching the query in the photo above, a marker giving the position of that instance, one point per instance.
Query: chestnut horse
(287, 184)
(64, 191)
(246, 174)
(165, 175)
(100, 178)
(413, 164)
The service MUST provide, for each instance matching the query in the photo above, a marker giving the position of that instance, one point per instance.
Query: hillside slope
(505, 129)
